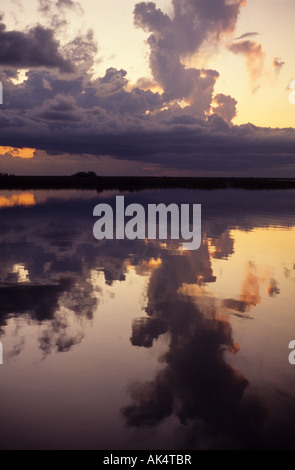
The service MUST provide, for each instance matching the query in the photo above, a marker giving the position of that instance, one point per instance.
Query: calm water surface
(140, 345)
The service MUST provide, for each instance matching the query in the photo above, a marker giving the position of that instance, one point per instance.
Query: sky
(175, 87)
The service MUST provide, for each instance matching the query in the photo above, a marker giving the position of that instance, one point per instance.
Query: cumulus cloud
(101, 117)
(61, 108)
(225, 107)
(36, 47)
(172, 121)
(175, 38)
(81, 51)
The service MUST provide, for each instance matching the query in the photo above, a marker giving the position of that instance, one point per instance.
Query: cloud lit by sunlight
(15, 152)
(21, 272)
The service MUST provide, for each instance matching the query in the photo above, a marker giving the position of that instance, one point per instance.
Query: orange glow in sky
(15, 152)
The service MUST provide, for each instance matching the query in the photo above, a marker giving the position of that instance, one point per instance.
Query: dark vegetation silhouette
(89, 180)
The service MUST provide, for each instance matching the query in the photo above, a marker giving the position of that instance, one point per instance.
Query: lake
(139, 344)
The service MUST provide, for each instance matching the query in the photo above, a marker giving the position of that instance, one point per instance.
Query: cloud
(81, 51)
(114, 81)
(69, 4)
(172, 122)
(225, 107)
(273, 289)
(246, 36)
(61, 108)
(101, 118)
(254, 55)
(53, 10)
(34, 48)
(277, 64)
(175, 38)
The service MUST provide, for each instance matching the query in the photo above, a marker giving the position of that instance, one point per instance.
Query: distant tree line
(85, 173)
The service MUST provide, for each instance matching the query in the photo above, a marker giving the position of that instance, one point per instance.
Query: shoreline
(138, 183)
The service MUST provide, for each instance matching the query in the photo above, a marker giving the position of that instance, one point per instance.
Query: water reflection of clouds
(210, 398)
(50, 274)
(196, 384)
(48, 257)
(223, 246)
(22, 199)
(49, 248)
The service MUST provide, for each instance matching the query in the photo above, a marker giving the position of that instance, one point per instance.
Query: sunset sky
(174, 87)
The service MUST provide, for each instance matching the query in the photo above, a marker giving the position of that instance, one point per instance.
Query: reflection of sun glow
(250, 290)
(153, 263)
(145, 267)
(24, 199)
(16, 152)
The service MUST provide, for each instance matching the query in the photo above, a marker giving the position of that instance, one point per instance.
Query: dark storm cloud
(186, 126)
(116, 125)
(61, 108)
(35, 48)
